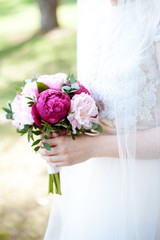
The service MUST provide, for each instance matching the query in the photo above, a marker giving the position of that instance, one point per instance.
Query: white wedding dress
(90, 207)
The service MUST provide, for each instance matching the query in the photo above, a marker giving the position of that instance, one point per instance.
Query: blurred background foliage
(26, 48)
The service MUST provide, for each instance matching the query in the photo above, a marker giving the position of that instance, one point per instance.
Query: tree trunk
(48, 14)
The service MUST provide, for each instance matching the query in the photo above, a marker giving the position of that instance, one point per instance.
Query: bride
(111, 182)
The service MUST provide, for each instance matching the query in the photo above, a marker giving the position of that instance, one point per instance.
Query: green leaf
(36, 148)
(41, 87)
(97, 127)
(29, 137)
(67, 83)
(67, 88)
(47, 146)
(68, 77)
(78, 132)
(37, 133)
(72, 79)
(75, 86)
(9, 105)
(72, 136)
(46, 137)
(94, 126)
(24, 130)
(18, 89)
(44, 128)
(22, 134)
(30, 103)
(58, 124)
(29, 98)
(9, 116)
(65, 126)
(7, 110)
(36, 142)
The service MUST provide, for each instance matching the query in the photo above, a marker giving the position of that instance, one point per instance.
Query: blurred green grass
(23, 51)
(24, 206)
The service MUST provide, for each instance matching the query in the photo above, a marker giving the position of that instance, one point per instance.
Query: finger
(58, 141)
(64, 132)
(54, 134)
(53, 151)
(51, 141)
(57, 134)
(51, 135)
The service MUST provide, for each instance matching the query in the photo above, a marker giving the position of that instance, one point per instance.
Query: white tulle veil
(112, 43)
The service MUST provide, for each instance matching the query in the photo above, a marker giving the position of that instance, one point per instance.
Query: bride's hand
(66, 151)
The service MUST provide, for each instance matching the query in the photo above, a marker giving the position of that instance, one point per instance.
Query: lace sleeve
(157, 36)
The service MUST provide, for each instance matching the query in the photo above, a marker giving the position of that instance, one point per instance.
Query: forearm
(147, 144)
(106, 146)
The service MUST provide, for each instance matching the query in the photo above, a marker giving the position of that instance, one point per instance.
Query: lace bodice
(148, 97)
(157, 36)
(115, 69)
(105, 92)
(148, 92)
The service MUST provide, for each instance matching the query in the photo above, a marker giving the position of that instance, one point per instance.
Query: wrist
(105, 146)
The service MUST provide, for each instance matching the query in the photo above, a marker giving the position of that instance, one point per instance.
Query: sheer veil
(116, 59)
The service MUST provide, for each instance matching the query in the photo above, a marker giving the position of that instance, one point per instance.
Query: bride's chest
(133, 89)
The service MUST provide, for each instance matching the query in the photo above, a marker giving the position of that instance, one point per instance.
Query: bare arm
(66, 152)
(147, 144)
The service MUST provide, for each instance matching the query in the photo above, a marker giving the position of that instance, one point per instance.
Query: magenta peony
(82, 89)
(36, 117)
(53, 105)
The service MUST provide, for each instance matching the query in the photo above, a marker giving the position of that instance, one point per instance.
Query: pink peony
(53, 105)
(36, 116)
(22, 113)
(30, 90)
(81, 89)
(84, 112)
(53, 81)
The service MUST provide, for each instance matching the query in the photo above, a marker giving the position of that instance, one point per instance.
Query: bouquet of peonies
(53, 103)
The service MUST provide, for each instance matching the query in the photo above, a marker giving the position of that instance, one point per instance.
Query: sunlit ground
(24, 202)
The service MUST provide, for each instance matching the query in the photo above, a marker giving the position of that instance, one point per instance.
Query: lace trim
(157, 36)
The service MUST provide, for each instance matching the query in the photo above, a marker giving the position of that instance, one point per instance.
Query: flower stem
(54, 184)
(50, 190)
